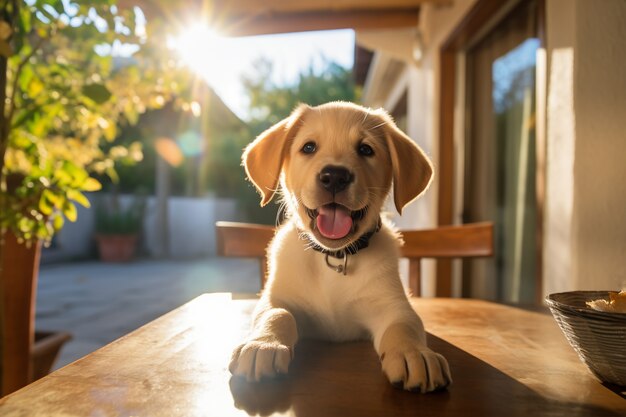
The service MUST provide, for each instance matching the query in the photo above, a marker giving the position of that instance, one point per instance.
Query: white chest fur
(328, 304)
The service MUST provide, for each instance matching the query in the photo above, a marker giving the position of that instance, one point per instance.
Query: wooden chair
(469, 240)
(463, 241)
(245, 240)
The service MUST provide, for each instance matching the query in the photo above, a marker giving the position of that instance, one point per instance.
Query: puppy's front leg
(269, 349)
(408, 362)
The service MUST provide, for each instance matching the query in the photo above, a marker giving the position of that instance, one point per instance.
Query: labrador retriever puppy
(333, 265)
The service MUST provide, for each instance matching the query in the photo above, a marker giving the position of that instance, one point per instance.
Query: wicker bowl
(598, 337)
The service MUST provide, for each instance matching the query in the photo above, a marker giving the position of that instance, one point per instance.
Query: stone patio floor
(99, 302)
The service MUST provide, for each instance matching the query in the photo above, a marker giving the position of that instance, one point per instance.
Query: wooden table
(505, 362)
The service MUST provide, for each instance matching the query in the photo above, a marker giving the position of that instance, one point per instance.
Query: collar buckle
(341, 268)
(342, 254)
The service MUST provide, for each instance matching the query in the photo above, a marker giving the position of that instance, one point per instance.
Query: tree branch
(16, 79)
(14, 7)
(4, 128)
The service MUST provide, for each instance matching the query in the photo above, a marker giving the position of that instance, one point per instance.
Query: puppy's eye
(309, 148)
(365, 150)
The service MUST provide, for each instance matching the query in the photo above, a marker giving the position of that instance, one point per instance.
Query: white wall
(191, 228)
(560, 146)
(586, 185)
(191, 225)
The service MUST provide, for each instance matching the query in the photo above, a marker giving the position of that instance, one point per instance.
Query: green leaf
(58, 222)
(56, 200)
(25, 225)
(44, 230)
(113, 175)
(58, 6)
(97, 92)
(79, 174)
(44, 204)
(24, 117)
(110, 132)
(35, 87)
(79, 198)
(91, 184)
(131, 114)
(62, 176)
(69, 210)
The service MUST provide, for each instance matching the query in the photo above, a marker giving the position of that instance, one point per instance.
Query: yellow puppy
(333, 265)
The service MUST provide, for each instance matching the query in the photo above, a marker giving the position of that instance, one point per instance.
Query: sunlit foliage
(71, 73)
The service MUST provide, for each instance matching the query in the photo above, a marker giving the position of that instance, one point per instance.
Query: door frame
(483, 16)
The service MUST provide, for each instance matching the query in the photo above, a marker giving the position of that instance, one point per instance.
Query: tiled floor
(99, 302)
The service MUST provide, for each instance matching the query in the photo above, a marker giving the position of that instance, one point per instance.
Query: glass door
(500, 166)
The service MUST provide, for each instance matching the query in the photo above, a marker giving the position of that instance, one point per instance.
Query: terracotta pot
(117, 248)
(27, 355)
(18, 277)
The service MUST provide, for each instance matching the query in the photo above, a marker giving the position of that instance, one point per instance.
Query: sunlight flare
(201, 48)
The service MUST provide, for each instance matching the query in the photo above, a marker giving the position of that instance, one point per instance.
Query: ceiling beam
(254, 17)
(263, 24)
(255, 7)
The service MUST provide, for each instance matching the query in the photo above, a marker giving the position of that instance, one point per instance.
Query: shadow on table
(328, 379)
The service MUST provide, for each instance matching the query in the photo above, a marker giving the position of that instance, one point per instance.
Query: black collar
(361, 243)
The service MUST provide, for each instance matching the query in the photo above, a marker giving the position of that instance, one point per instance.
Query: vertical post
(264, 271)
(4, 124)
(162, 212)
(446, 160)
(415, 277)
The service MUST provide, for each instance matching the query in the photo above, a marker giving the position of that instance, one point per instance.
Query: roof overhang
(254, 17)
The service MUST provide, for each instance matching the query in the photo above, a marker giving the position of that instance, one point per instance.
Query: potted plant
(118, 228)
(62, 95)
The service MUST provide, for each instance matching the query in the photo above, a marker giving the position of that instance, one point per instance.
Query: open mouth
(334, 221)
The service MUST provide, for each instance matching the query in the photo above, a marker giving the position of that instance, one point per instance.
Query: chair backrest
(463, 241)
(245, 240)
(469, 240)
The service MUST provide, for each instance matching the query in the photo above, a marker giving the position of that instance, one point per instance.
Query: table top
(503, 360)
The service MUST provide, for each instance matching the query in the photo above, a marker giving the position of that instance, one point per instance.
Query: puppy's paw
(416, 369)
(257, 359)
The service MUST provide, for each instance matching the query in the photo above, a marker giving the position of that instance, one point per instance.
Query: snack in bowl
(615, 304)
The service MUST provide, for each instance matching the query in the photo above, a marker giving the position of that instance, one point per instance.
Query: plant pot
(117, 248)
(45, 352)
(19, 268)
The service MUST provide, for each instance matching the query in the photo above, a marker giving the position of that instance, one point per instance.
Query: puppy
(333, 265)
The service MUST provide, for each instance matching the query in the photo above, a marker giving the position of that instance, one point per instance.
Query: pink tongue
(333, 222)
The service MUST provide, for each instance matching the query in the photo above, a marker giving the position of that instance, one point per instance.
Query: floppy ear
(412, 170)
(263, 158)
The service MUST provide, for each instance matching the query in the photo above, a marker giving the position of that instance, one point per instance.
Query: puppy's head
(336, 164)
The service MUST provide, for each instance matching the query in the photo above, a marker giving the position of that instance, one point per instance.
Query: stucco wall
(600, 171)
(560, 146)
(586, 149)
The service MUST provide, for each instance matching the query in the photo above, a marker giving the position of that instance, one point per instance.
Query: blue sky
(222, 61)
(509, 66)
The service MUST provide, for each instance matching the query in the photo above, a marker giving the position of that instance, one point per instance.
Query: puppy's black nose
(335, 179)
